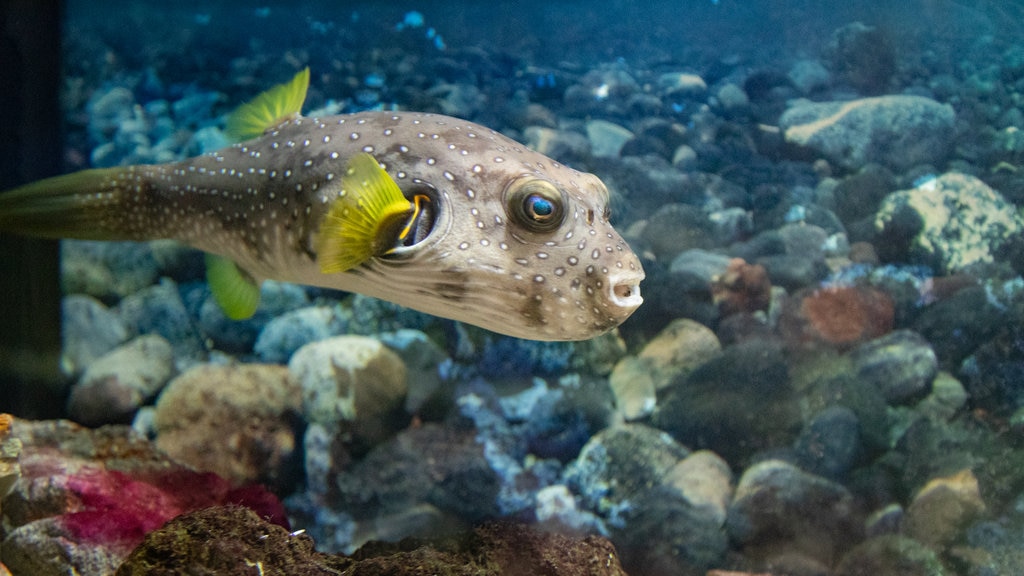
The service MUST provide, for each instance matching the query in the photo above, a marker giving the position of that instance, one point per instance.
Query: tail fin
(86, 205)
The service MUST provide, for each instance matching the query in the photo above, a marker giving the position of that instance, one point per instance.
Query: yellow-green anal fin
(234, 290)
(365, 220)
(269, 109)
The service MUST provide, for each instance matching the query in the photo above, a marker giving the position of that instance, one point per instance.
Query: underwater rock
(863, 56)
(742, 289)
(778, 507)
(684, 159)
(732, 99)
(947, 397)
(901, 365)
(618, 465)
(664, 533)
(431, 464)
(606, 138)
(237, 421)
(682, 84)
(107, 110)
(735, 404)
(159, 309)
(793, 255)
(562, 145)
(352, 384)
(838, 316)
(239, 336)
(890, 556)
(557, 511)
(829, 443)
(955, 326)
(898, 131)
(994, 374)
(423, 360)
(655, 136)
(285, 334)
(87, 497)
(809, 76)
(705, 481)
(947, 223)
(629, 476)
(606, 89)
(858, 196)
(89, 330)
(677, 350)
(107, 270)
(942, 509)
(118, 383)
(674, 229)
(227, 540)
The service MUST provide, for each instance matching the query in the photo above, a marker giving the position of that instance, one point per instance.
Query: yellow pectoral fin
(364, 220)
(235, 291)
(268, 109)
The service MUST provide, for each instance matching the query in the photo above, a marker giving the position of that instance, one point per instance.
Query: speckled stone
(237, 421)
(629, 476)
(948, 223)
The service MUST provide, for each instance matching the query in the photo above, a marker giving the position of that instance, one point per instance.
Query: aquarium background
(826, 377)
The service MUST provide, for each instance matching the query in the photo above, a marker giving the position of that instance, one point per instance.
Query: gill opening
(420, 223)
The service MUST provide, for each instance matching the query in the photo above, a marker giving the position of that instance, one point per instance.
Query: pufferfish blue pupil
(538, 207)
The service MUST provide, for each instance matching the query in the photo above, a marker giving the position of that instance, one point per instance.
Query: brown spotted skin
(261, 202)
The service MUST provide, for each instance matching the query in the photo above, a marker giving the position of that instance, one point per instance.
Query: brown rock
(943, 508)
(236, 421)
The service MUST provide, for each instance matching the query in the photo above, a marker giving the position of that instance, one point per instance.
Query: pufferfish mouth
(624, 291)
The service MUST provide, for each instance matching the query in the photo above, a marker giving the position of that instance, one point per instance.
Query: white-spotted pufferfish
(430, 212)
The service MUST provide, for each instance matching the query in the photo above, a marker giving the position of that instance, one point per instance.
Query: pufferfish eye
(536, 205)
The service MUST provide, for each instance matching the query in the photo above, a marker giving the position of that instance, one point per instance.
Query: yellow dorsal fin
(365, 220)
(269, 109)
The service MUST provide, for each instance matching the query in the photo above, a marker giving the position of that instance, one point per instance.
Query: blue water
(854, 347)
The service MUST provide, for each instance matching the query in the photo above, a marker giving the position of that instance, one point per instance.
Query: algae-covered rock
(898, 131)
(227, 540)
(948, 223)
(890, 556)
(778, 507)
(737, 403)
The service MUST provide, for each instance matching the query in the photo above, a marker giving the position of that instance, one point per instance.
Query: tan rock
(236, 421)
(353, 382)
(675, 352)
(943, 508)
